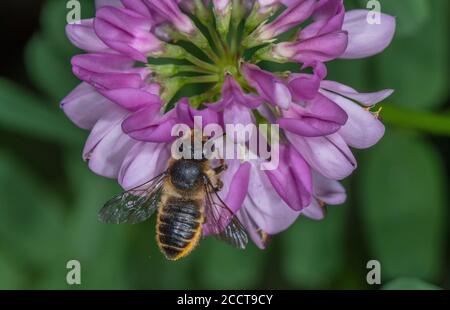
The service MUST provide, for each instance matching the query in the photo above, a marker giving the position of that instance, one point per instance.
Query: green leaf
(50, 72)
(12, 274)
(222, 267)
(350, 72)
(416, 66)
(54, 21)
(409, 284)
(99, 247)
(30, 216)
(24, 112)
(402, 203)
(313, 251)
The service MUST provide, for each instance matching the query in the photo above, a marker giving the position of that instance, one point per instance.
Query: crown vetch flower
(141, 55)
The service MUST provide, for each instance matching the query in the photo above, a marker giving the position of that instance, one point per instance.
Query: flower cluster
(142, 55)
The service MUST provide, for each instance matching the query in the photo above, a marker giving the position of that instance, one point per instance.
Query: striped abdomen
(179, 227)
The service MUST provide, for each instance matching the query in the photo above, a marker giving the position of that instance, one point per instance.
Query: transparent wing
(133, 206)
(221, 222)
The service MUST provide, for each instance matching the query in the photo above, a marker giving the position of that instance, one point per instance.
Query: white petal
(144, 162)
(84, 106)
(366, 39)
(363, 129)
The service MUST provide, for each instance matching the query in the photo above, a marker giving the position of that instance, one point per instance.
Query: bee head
(196, 148)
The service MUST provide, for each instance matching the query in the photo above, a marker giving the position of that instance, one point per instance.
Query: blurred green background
(397, 211)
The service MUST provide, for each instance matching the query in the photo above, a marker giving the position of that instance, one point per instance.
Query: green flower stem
(207, 19)
(420, 120)
(203, 44)
(221, 47)
(238, 13)
(178, 52)
(198, 100)
(175, 84)
(200, 63)
(170, 70)
(202, 79)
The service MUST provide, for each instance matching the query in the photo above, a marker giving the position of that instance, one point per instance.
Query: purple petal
(170, 11)
(328, 191)
(328, 17)
(269, 86)
(363, 129)
(139, 7)
(308, 126)
(186, 114)
(84, 37)
(131, 99)
(107, 145)
(294, 15)
(84, 106)
(329, 155)
(263, 204)
(108, 71)
(149, 125)
(111, 118)
(306, 86)
(365, 39)
(143, 162)
(127, 32)
(367, 99)
(237, 115)
(238, 188)
(314, 211)
(108, 155)
(322, 48)
(317, 117)
(292, 180)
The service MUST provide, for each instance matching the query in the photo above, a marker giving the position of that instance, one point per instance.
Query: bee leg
(218, 170)
(219, 186)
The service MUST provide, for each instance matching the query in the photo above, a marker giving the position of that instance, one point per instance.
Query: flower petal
(270, 213)
(131, 99)
(292, 179)
(107, 145)
(143, 162)
(84, 106)
(328, 191)
(83, 36)
(365, 39)
(314, 211)
(127, 32)
(268, 85)
(148, 124)
(329, 155)
(363, 129)
(111, 118)
(367, 99)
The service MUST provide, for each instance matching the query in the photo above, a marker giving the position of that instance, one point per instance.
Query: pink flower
(130, 100)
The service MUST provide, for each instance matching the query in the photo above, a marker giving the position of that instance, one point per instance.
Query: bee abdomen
(179, 227)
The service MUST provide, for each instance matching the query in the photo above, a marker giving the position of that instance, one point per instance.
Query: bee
(186, 199)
